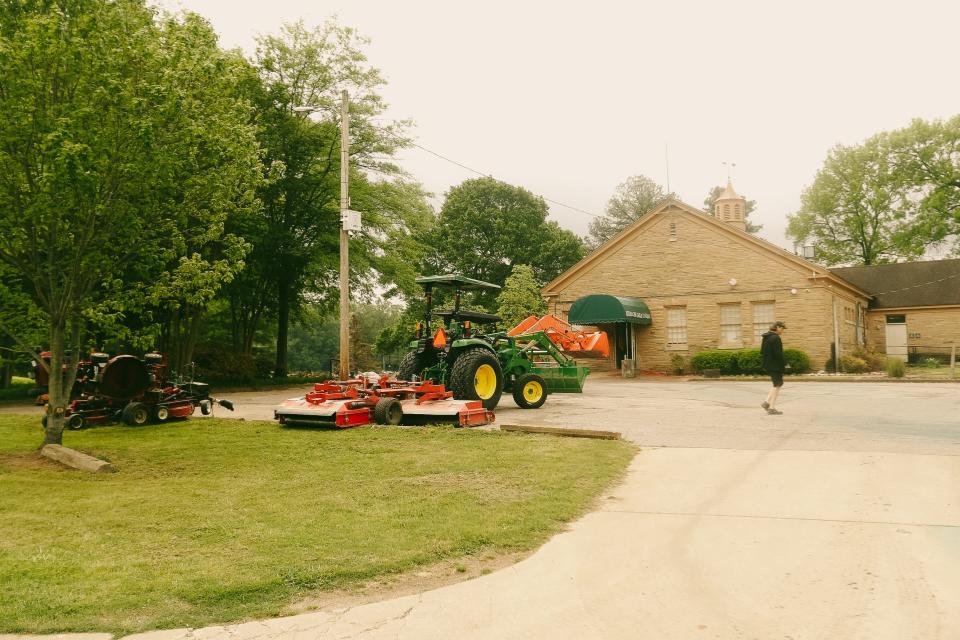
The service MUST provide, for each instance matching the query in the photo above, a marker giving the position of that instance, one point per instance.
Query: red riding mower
(132, 390)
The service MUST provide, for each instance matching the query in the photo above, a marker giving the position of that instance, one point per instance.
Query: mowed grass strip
(213, 521)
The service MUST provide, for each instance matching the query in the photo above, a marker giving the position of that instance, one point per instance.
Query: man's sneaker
(774, 412)
(765, 404)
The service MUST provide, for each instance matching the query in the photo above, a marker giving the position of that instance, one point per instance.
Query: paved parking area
(838, 519)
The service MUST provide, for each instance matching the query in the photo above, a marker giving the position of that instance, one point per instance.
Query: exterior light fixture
(733, 282)
(793, 292)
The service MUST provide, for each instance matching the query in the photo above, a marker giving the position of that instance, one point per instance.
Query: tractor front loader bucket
(563, 379)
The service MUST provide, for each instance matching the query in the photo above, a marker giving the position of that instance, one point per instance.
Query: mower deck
(352, 403)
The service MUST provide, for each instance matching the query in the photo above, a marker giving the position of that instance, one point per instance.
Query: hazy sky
(568, 99)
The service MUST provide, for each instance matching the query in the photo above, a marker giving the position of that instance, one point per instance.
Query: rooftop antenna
(666, 158)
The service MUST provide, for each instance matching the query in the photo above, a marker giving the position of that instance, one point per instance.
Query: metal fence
(942, 354)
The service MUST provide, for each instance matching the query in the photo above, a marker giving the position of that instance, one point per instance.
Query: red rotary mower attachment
(356, 402)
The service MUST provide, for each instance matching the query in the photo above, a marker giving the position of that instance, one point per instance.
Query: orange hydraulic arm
(563, 335)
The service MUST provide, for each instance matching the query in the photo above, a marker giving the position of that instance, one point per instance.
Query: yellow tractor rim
(485, 381)
(533, 391)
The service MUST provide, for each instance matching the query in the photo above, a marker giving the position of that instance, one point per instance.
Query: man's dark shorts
(777, 378)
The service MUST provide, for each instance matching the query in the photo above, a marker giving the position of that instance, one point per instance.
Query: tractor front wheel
(530, 391)
(476, 375)
(75, 421)
(136, 414)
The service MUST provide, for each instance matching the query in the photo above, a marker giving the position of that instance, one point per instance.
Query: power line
(482, 173)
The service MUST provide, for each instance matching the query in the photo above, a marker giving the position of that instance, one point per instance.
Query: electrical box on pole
(350, 220)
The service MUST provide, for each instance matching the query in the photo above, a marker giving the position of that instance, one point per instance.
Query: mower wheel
(206, 407)
(136, 414)
(410, 366)
(75, 421)
(530, 391)
(161, 413)
(477, 375)
(388, 411)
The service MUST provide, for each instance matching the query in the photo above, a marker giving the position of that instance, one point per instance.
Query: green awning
(602, 308)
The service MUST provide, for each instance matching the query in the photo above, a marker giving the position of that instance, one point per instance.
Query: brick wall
(677, 259)
(927, 328)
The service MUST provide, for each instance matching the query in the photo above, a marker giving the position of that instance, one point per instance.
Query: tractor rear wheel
(530, 391)
(410, 366)
(476, 375)
(136, 414)
(388, 411)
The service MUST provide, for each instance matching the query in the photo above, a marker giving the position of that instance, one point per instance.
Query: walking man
(771, 351)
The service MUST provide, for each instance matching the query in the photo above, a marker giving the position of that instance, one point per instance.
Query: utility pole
(344, 236)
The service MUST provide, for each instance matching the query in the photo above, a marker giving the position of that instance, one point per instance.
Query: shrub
(750, 361)
(929, 363)
(875, 361)
(725, 361)
(677, 364)
(797, 361)
(853, 364)
(896, 368)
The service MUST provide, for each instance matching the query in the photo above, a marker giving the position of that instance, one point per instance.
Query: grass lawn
(212, 521)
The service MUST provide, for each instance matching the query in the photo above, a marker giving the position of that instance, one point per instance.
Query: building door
(897, 337)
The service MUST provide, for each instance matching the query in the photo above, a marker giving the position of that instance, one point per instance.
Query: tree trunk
(6, 361)
(283, 324)
(58, 397)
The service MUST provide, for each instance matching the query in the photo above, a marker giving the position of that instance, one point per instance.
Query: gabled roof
(907, 284)
(811, 270)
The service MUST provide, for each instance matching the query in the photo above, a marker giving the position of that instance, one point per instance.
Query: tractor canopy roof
(455, 281)
(472, 316)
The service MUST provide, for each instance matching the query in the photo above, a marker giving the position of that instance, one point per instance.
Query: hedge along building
(679, 281)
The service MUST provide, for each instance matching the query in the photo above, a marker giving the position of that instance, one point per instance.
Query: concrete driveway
(838, 519)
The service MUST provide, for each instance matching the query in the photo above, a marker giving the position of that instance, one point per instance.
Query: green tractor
(481, 366)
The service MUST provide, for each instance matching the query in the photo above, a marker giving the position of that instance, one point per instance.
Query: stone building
(679, 281)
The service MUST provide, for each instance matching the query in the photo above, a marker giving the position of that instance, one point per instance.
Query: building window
(676, 327)
(730, 323)
(726, 212)
(763, 317)
(673, 231)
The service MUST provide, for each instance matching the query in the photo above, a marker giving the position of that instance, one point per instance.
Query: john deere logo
(638, 314)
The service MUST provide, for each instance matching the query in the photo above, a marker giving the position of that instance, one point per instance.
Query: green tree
(634, 197)
(927, 155)
(296, 238)
(855, 211)
(486, 227)
(95, 164)
(520, 297)
(711, 198)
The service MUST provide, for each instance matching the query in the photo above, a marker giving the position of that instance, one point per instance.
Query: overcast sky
(568, 99)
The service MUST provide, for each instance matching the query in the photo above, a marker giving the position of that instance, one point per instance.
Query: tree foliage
(296, 237)
(485, 227)
(520, 297)
(893, 197)
(119, 159)
(711, 198)
(634, 197)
